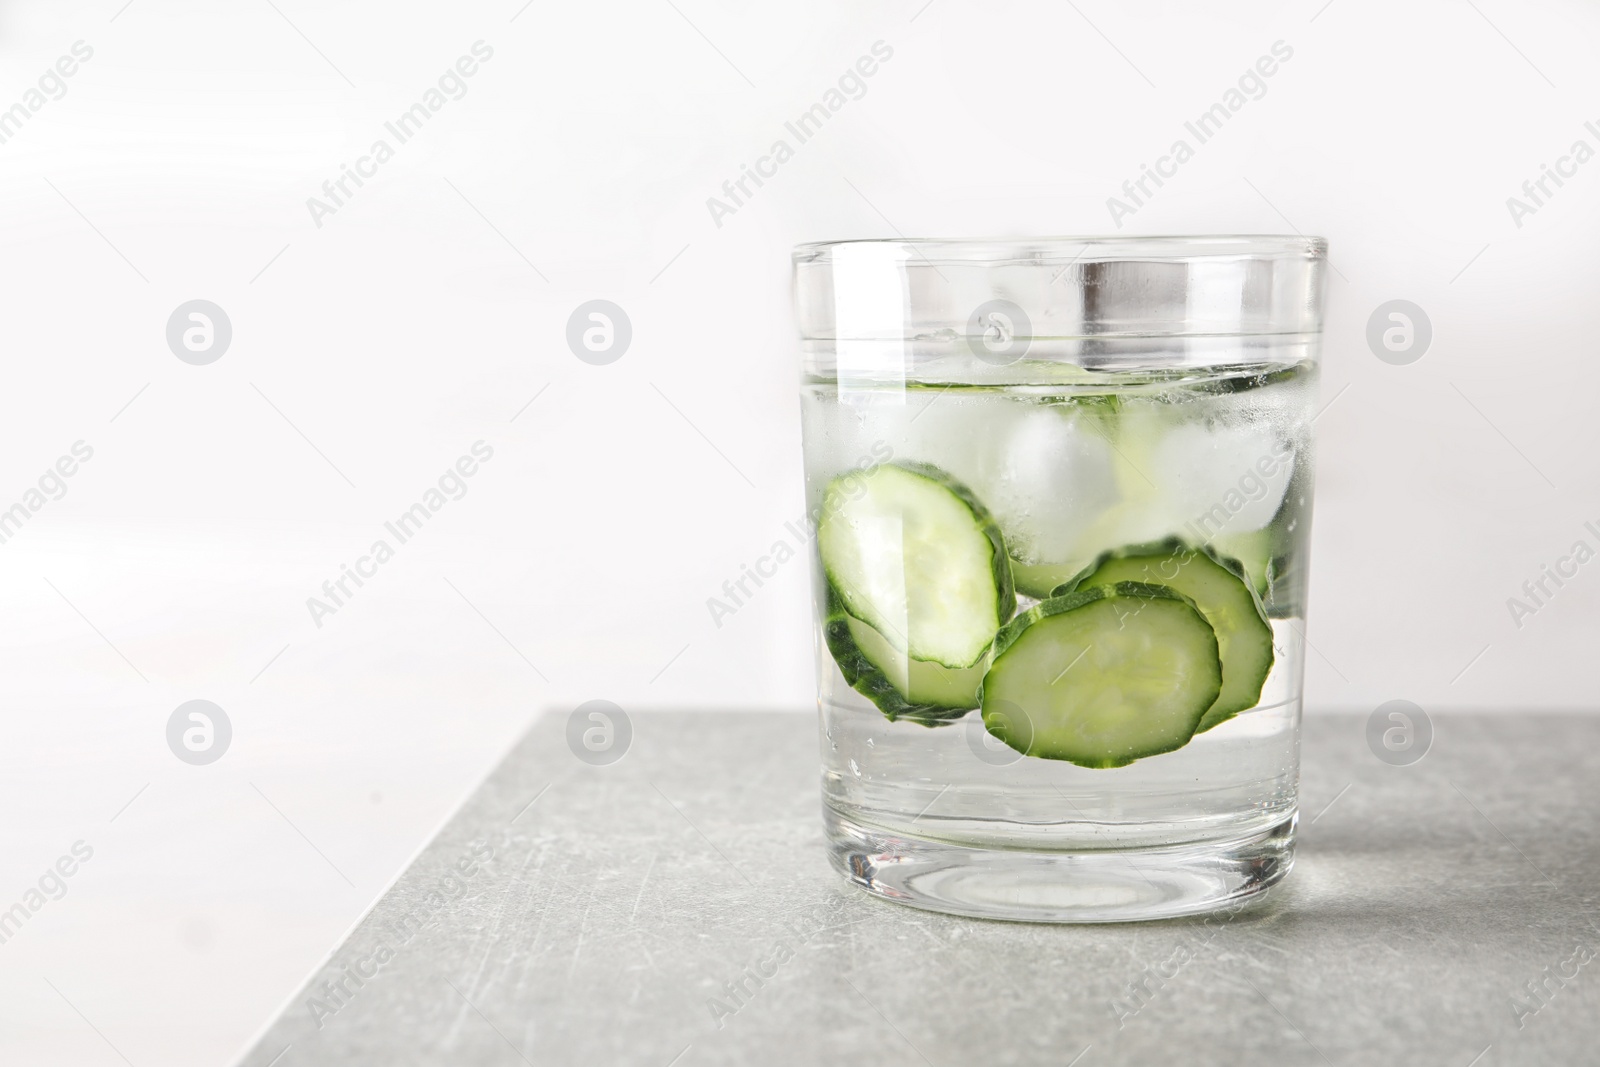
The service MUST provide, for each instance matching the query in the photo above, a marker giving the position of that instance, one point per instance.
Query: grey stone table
(1440, 913)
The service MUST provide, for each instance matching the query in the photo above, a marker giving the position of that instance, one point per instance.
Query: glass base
(1125, 885)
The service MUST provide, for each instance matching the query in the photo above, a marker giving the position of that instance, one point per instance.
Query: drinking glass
(1059, 494)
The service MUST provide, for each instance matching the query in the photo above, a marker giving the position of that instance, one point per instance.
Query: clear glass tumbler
(1060, 498)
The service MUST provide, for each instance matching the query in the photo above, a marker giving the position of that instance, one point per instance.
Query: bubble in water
(870, 744)
(855, 770)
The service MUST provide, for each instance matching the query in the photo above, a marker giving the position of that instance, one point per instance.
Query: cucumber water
(1059, 497)
(973, 540)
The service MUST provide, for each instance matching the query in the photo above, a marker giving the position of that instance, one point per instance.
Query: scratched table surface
(675, 908)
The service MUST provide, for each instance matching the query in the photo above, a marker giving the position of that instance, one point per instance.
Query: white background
(369, 353)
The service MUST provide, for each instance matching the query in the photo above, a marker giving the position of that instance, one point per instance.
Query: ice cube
(1054, 478)
(1213, 476)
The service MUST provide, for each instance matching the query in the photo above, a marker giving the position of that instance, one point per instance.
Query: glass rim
(1086, 248)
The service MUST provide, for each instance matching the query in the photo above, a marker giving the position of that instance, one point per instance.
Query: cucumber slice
(1102, 676)
(911, 552)
(901, 687)
(1221, 590)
